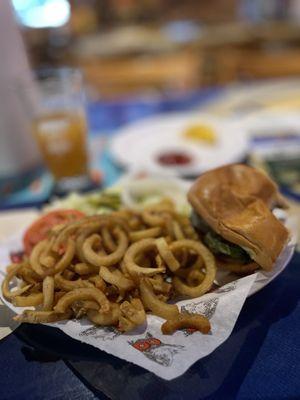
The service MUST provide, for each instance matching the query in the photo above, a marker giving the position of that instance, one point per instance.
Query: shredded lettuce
(135, 194)
(92, 203)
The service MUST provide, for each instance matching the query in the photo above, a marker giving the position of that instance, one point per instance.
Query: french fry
(110, 268)
(152, 303)
(195, 321)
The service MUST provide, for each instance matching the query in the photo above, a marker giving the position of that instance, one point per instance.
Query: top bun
(235, 201)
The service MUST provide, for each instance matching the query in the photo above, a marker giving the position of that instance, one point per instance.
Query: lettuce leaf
(218, 245)
(215, 242)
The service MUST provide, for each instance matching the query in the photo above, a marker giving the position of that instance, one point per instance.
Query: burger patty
(216, 243)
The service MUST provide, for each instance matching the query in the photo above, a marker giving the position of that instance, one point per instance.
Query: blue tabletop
(259, 361)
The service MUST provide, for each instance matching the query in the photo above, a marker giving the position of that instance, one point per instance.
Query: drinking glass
(60, 127)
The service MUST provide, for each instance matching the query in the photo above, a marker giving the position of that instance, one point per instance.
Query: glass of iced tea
(60, 127)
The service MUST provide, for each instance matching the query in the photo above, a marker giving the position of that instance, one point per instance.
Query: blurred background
(132, 46)
(233, 59)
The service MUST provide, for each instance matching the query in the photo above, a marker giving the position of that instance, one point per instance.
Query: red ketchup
(173, 158)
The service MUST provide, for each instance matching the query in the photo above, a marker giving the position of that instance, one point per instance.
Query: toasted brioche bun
(235, 201)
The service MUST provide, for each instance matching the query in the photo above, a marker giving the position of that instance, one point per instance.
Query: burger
(232, 211)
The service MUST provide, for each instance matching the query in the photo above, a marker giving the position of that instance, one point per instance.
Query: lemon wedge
(200, 133)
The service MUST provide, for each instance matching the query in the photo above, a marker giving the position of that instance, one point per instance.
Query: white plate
(139, 144)
(272, 123)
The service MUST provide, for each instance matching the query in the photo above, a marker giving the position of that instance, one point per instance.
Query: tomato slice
(40, 228)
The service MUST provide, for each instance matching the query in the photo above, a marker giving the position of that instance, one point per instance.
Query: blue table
(259, 361)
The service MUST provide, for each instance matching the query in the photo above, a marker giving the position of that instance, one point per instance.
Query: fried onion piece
(100, 318)
(37, 317)
(210, 269)
(11, 273)
(48, 293)
(32, 300)
(68, 285)
(82, 294)
(132, 254)
(116, 278)
(151, 302)
(105, 260)
(145, 234)
(167, 255)
(132, 314)
(183, 321)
